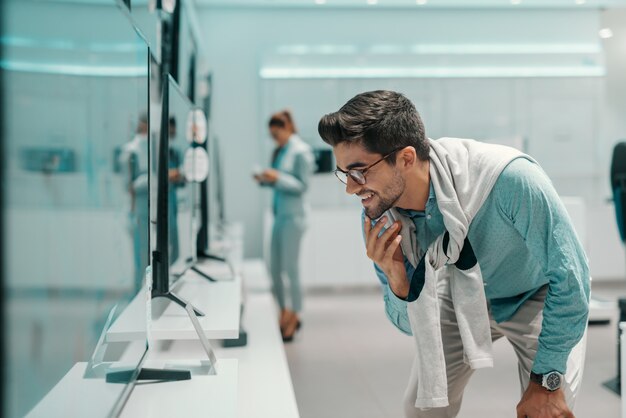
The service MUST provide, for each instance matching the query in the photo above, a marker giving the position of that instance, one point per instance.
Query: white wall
(571, 120)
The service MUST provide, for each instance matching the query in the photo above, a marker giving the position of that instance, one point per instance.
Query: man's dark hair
(382, 121)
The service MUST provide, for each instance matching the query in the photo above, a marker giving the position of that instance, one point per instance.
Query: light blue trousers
(285, 261)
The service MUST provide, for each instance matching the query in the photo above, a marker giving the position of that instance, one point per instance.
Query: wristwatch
(551, 380)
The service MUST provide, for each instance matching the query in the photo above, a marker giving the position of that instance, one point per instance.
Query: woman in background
(292, 165)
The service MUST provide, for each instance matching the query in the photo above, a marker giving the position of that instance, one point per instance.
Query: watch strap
(537, 378)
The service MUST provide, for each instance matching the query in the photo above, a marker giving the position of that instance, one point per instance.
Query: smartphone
(257, 170)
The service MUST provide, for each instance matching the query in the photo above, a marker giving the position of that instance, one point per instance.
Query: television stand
(203, 274)
(163, 375)
(177, 300)
(202, 254)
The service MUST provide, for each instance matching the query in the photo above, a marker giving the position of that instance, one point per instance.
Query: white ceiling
(414, 3)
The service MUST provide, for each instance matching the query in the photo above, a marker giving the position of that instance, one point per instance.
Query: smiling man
(471, 244)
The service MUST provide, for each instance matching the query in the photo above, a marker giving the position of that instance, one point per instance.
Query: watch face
(553, 381)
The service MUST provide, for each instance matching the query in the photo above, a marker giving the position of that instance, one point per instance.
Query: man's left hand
(538, 402)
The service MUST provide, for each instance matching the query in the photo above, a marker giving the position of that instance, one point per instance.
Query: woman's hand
(269, 176)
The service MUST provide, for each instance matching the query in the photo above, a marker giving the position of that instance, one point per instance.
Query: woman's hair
(382, 121)
(283, 119)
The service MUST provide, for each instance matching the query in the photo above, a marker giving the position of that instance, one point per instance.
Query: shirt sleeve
(528, 199)
(395, 307)
(297, 182)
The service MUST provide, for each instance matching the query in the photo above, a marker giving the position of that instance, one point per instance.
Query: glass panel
(146, 18)
(76, 103)
(182, 192)
(187, 54)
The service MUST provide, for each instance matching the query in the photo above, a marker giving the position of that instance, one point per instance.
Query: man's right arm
(395, 307)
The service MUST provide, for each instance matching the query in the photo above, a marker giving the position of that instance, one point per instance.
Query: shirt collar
(429, 204)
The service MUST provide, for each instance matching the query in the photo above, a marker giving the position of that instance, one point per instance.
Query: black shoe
(288, 339)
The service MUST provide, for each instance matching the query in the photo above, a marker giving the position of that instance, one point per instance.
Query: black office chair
(618, 188)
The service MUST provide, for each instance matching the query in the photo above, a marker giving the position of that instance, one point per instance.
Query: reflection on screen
(75, 78)
(144, 14)
(182, 193)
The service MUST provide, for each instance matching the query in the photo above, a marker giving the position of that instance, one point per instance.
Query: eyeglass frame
(362, 171)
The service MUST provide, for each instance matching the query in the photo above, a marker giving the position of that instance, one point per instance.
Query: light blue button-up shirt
(523, 239)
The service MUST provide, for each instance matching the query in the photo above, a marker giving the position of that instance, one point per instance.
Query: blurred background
(545, 76)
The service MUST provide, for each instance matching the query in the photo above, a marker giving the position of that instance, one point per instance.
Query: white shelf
(264, 387)
(202, 396)
(255, 275)
(219, 301)
(96, 399)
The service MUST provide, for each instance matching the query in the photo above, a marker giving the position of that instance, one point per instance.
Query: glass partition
(75, 190)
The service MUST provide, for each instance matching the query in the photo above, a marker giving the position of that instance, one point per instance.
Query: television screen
(75, 189)
(183, 193)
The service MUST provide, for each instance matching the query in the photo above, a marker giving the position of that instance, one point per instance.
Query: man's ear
(407, 157)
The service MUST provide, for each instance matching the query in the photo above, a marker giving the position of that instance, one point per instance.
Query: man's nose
(352, 186)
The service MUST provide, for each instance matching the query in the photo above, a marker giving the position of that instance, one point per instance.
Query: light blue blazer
(295, 163)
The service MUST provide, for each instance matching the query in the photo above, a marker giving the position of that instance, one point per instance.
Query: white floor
(349, 361)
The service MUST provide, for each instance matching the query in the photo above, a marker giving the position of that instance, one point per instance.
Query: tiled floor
(349, 361)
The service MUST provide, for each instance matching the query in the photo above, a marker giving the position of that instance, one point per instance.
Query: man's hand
(385, 251)
(538, 402)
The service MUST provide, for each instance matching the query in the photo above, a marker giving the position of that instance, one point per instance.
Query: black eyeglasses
(358, 174)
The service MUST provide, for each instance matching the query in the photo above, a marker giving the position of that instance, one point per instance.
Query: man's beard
(394, 191)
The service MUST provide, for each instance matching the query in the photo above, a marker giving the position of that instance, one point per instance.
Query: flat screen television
(211, 206)
(171, 196)
(74, 181)
(183, 194)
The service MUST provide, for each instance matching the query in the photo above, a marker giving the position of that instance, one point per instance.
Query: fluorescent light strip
(442, 49)
(66, 45)
(316, 49)
(433, 72)
(467, 49)
(79, 70)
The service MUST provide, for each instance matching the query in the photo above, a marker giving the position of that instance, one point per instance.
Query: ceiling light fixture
(605, 33)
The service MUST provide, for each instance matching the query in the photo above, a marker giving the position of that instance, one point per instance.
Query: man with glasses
(441, 216)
